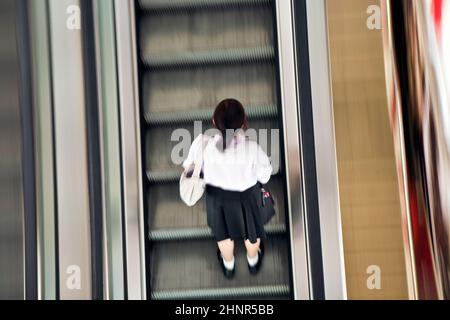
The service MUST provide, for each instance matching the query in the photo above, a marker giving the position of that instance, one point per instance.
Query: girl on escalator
(233, 169)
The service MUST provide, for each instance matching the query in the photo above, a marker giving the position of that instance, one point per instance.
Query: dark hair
(229, 114)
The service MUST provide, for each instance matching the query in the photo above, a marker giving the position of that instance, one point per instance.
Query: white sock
(253, 261)
(228, 264)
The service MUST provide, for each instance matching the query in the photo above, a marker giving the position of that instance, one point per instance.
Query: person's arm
(263, 166)
(193, 152)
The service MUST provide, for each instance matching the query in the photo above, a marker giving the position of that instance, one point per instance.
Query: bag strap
(198, 161)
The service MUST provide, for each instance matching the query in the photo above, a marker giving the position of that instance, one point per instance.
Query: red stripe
(394, 109)
(436, 9)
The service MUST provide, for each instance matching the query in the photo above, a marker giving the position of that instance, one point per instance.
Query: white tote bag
(193, 187)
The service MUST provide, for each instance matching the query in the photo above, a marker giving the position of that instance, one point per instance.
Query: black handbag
(266, 204)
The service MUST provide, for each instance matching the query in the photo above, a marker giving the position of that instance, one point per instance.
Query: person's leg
(252, 248)
(255, 253)
(226, 248)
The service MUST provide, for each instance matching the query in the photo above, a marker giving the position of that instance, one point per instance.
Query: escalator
(194, 53)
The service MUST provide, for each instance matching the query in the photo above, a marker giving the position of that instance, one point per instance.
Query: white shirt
(240, 166)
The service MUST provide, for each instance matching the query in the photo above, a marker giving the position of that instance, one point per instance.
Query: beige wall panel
(368, 185)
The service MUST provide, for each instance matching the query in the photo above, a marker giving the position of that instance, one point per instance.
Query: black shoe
(254, 269)
(226, 272)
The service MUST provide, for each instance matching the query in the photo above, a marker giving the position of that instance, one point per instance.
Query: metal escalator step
(215, 57)
(179, 89)
(169, 212)
(181, 117)
(223, 293)
(205, 30)
(189, 269)
(161, 177)
(202, 233)
(174, 5)
(166, 148)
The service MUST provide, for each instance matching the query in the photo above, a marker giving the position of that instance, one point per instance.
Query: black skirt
(233, 214)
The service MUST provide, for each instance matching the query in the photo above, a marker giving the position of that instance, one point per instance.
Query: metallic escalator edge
(310, 191)
(28, 154)
(131, 149)
(44, 151)
(113, 264)
(93, 145)
(326, 161)
(74, 233)
(299, 250)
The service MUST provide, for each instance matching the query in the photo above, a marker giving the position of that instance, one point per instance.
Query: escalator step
(166, 148)
(169, 212)
(162, 177)
(223, 293)
(202, 233)
(181, 117)
(173, 5)
(189, 269)
(195, 88)
(205, 58)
